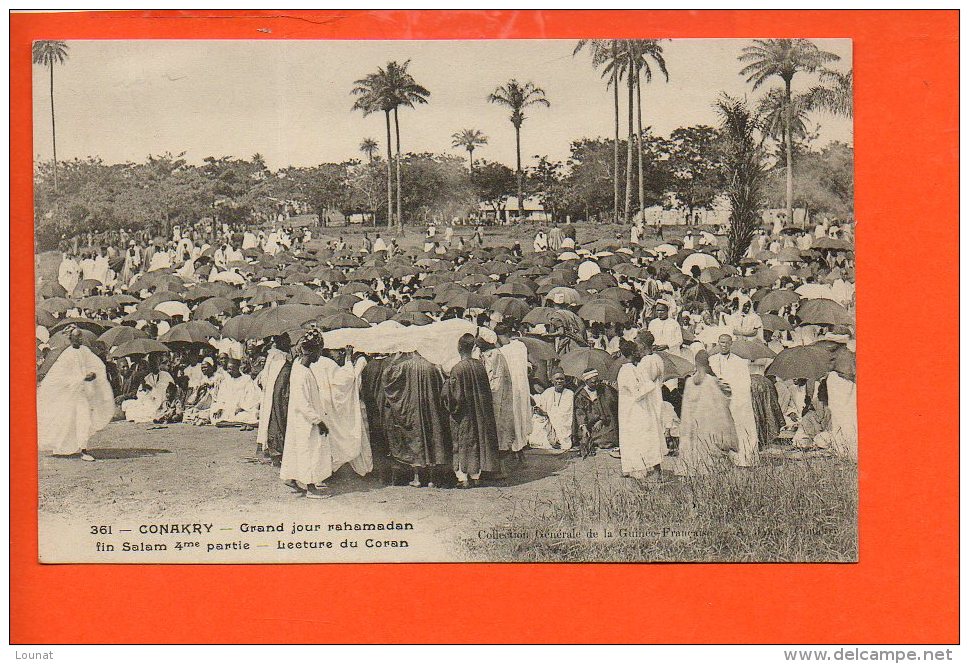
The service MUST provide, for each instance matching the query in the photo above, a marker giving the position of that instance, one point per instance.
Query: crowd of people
(440, 365)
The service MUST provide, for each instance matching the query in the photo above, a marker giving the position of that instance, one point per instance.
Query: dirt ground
(181, 473)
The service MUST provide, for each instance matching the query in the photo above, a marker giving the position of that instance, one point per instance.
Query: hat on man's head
(590, 373)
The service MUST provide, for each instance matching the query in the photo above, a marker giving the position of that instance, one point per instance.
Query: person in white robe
(237, 399)
(68, 273)
(88, 268)
(557, 405)
(666, 329)
(339, 386)
(147, 405)
(306, 462)
(540, 242)
(516, 355)
(642, 439)
(843, 402)
(734, 374)
(379, 244)
(275, 359)
(74, 401)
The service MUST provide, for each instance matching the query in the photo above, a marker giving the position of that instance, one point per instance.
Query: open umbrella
(469, 301)
(149, 315)
(538, 350)
(700, 260)
(423, 306)
(56, 305)
(341, 320)
(267, 296)
(345, 301)
(139, 347)
(563, 295)
(355, 287)
(773, 322)
(511, 307)
(238, 327)
(95, 326)
(86, 287)
(789, 255)
(539, 316)
(307, 297)
(213, 308)
(577, 362)
(599, 281)
(751, 349)
(776, 300)
(282, 319)
(823, 312)
(44, 318)
(618, 294)
(603, 311)
(378, 314)
(413, 318)
(51, 289)
(831, 244)
(805, 362)
(121, 334)
(515, 289)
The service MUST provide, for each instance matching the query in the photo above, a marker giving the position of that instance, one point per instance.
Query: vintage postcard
(445, 301)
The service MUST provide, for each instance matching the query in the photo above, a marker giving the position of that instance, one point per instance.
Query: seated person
(237, 399)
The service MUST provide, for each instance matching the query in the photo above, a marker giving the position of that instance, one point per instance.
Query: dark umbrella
(413, 318)
(511, 307)
(121, 334)
(776, 300)
(378, 314)
(822, 311)
(139, 347)
(806, 362)
(577, 362)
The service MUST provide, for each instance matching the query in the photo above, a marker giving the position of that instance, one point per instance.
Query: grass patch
(782, 511)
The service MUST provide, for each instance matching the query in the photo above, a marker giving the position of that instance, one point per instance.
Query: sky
(290, 100)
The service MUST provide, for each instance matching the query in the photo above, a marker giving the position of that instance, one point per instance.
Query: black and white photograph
(308, 301)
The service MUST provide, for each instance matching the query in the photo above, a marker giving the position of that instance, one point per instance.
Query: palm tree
(783, 58)
(744, 163)
(518, 96)
(646, 51)
(371, 98)
(468, 139)
(47, 53)
(772, 112)
(369, 147)
(835, 95)
(402, 88)
(603, 51)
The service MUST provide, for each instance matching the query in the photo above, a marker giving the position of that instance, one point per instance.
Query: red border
(905, 589)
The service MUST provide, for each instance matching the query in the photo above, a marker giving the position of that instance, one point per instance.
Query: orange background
(905, 589)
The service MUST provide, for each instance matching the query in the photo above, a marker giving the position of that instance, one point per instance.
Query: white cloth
(735, 372)
(842, 400)
(306, 452)
(72, 409)
(516, 355)
(642, 441)
(275, 360)
(68, 274)
(559, 407)
(667, 332)
(340, 396)
(147, 405)
(236, 400)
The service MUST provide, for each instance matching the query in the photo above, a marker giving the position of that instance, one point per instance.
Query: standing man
(642, 438)
(74, 401)
(734, 374)
(467, 397)
(306, 452)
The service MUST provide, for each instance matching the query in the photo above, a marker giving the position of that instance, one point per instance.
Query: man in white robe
(843, 403)
(642, 439)
(275, 359)
(306, 462)
(516, 355)
(339, 386)
(68, 273)
(666, 330)
(237, 399)
(734, 374)
(74, 401)
(147, 405)
(557, 404)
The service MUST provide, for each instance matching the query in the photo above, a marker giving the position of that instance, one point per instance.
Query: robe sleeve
(308, 403)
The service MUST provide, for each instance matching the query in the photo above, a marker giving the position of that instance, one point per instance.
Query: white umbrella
(587, 269)
(665, 249)
(814, 291)
(699, 260)
(173, 308)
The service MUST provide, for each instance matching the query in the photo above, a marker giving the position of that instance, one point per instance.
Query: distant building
(533, 211)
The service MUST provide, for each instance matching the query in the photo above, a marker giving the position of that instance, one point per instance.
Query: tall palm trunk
(639, 140)
(400, 216)
(518, 158)
(629, 144)
(789, 152)
(390, 182)
(615, 143)
(53, 128)
(471, 160)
